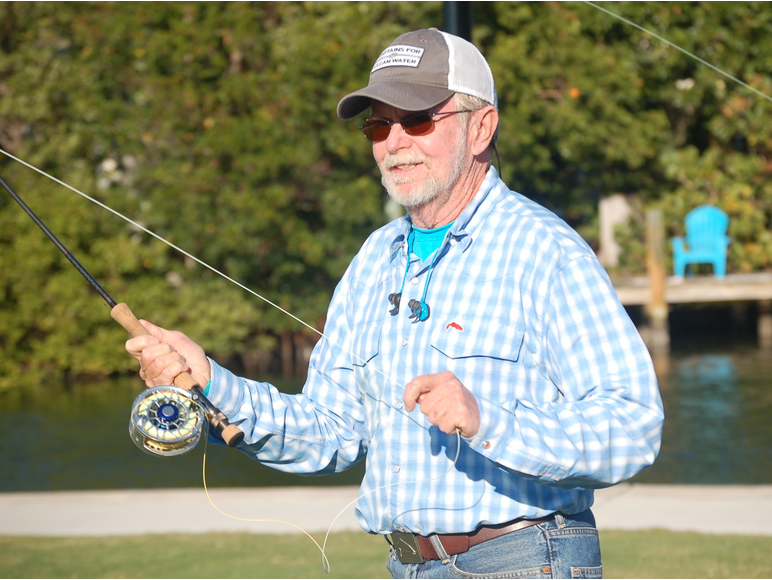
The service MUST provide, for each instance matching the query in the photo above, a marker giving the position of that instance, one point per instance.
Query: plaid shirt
(525, 316)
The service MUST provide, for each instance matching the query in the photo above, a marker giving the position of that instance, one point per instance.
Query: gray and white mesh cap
(420, 70)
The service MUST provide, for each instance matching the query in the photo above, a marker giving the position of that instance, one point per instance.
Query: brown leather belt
(415, 549)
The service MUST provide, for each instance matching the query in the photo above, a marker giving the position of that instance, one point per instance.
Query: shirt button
(453, 241)
(486, 444)
(398, 405)
(395, 468)
(414, 281)
(404, 341)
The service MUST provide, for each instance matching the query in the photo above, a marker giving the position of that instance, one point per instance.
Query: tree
(213, 125)
(592, 106)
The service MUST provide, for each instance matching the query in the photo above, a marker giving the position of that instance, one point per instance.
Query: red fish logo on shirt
(454, 326)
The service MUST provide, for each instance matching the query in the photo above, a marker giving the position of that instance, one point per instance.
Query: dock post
(764, 324)
(656, 310)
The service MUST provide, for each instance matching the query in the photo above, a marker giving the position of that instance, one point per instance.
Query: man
(474, 350)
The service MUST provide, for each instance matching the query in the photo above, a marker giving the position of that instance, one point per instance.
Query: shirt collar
(468, 222)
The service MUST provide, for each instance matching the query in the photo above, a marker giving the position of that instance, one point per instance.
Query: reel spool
(165, 421)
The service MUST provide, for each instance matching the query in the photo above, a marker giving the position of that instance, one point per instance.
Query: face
(416, 170)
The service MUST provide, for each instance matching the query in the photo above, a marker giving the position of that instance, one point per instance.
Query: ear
(482, 128)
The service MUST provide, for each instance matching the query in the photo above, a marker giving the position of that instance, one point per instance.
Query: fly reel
(165, 421)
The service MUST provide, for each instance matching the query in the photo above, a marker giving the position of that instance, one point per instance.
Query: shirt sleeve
(606, 422)
(315, 432)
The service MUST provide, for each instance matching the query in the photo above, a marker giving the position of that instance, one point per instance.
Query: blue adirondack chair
(705, 243)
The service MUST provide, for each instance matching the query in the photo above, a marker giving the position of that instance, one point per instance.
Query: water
(717, 427)
(78, 438)
(717, 431)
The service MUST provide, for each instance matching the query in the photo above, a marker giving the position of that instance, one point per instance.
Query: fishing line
(686, 52)
(122, 314)
(325, 561)
(135, 328)
(197, 260)
(161, 239)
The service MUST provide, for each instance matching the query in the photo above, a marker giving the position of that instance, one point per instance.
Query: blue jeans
(566, 547)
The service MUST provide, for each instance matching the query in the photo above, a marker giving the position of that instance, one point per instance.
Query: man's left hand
(445, 401)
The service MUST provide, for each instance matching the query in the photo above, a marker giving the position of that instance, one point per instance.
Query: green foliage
(213, 125)
(632, 238)
(665, 554)
(351, 555)
(591, 106)
(636, 554)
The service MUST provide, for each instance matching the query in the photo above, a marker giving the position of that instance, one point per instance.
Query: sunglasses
(414, 124)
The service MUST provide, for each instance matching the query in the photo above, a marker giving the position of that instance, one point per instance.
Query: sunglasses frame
(373, 124)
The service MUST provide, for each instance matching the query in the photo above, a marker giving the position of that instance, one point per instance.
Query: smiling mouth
(403, 162)
(405, 166)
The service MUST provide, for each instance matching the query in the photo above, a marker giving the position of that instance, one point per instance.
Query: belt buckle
(407, 548)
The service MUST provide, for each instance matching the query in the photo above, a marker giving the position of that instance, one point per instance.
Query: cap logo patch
(399, 55)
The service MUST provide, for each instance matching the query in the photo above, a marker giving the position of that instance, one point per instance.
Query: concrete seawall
(711, 509)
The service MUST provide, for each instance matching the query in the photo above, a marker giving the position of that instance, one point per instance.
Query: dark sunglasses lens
(418, 124)
(376, 129)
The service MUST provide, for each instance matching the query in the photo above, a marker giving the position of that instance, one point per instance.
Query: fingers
(416, 388)
(160, 364)
(154, 330)
(445, 401)
(137, 344)
(161, 354)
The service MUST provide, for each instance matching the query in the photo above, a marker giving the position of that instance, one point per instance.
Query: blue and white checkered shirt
(525, 316)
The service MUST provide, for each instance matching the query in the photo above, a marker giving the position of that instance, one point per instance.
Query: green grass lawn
(650, 554)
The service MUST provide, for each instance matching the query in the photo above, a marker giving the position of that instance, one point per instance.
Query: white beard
(434, 187)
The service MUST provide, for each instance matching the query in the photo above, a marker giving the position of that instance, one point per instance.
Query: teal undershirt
(423, 243)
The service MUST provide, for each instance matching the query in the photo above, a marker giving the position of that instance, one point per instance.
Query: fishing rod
(164, 420)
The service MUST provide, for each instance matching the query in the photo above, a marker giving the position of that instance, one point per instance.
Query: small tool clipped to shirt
(394, 299)
(419, 309)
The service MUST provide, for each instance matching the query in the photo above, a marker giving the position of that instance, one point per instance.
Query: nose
(397, 139)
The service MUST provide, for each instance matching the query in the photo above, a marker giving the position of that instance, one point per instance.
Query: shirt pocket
(485, 356)
(480, 338)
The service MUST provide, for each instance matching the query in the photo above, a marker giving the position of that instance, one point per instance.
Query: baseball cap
(420, 70)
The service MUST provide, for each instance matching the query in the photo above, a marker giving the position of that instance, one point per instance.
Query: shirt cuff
(495, 423)
(499, 440)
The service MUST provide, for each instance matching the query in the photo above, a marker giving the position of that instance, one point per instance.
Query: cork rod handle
(231, 434)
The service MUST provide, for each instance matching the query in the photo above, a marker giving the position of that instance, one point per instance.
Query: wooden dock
(734, 287)
(656, 291)
(638, 291)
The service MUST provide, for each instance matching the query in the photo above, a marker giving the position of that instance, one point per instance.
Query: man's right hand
(164, 354)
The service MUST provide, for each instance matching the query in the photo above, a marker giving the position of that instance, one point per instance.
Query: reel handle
(231, 434)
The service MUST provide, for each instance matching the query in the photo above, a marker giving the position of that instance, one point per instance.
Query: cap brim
(404, 96)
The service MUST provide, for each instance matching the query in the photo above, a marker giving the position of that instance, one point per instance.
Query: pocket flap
(480, 338)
